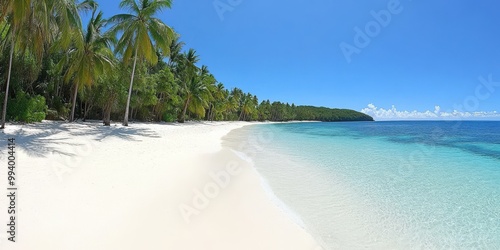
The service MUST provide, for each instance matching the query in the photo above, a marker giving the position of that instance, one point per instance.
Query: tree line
(130, 66)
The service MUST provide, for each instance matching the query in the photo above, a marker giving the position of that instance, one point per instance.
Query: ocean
(383, 185)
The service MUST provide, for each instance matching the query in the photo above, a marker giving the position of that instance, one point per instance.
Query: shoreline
(265, 184)
(263, 181)
(86, 186)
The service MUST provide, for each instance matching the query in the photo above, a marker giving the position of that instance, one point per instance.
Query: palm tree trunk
(183, 117)
(212, 113)
(125, 119)
(107, 116)
(75, 93)
(241, 115)
(88, 108)
(4, 110)
(207, 112)
(85, 106)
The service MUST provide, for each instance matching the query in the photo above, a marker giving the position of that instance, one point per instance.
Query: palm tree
(32, 25)
(202, 92)
(197, 93)
(16, 12)
(175, 51)
(186, 70)
(247, 106)
(230, 105)
(218, 97)
(90, 57)
(139, 30)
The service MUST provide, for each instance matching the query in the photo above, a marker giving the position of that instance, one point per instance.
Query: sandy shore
(147, 186)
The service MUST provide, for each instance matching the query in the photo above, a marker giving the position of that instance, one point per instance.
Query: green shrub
(168, 117)
(24, 108)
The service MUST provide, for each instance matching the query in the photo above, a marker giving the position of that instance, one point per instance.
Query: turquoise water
(385, 185)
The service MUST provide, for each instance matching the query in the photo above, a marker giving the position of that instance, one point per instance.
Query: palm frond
(155, 6)
(131, 5)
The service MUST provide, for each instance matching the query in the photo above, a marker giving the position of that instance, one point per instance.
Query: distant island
(330, 115)
(281, 112)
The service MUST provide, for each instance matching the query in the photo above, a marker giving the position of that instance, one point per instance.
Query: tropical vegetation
(130, 66)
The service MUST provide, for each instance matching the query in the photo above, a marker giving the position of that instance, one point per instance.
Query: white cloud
(437, 114)
(437, 109)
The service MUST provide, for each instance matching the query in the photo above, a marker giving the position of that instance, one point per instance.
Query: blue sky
(427, 54)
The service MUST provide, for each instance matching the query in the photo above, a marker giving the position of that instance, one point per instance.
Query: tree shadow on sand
(40, 145)
(100, 132)
(43, 139)
(36, 140)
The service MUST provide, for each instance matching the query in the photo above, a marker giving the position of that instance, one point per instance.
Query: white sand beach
(146, 186)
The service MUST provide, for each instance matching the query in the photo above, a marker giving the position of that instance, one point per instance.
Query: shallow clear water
(385, 185)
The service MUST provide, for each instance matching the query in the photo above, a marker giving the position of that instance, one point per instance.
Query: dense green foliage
(329, 115)
(69, 68)
(27, 109)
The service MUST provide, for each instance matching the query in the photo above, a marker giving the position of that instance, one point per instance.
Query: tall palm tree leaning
(89, 58)
(138, 32)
